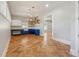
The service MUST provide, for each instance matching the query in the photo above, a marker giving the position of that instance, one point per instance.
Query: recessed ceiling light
(46, 5)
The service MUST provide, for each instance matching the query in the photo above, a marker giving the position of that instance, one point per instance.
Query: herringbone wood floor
(31, 45)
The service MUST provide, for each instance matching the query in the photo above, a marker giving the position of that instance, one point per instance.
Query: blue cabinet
(16, 31)
(34, 31)
(24, 32)
(29, 31)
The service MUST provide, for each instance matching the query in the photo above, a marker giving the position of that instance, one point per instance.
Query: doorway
(48, 28)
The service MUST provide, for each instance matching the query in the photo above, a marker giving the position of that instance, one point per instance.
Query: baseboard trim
(74, 53)
(6, 48)
(62, 41)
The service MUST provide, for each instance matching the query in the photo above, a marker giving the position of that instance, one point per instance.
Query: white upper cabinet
(4, 10)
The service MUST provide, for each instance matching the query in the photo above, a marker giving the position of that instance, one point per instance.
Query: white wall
(5, 21)
(4, 33)
(64, 18)
(64, 24)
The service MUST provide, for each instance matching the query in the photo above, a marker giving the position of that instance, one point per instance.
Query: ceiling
(24, 8)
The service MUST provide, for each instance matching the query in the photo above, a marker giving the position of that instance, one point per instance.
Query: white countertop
(33, 27)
